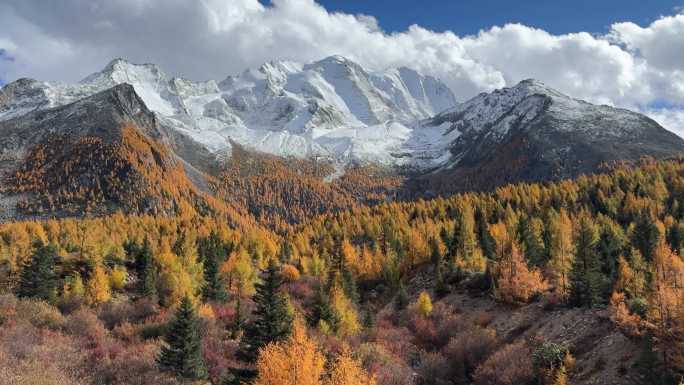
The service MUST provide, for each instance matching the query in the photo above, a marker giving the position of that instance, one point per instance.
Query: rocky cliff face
(531, 132)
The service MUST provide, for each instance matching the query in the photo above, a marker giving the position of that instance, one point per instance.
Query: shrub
(125, 332)
(40, 314)
(433, 369)
(85, 323)
(551, 362)
(8, 307)
(143, 309)
(468, 349)
(153, 330)
(388, 370)
(510, 365)
(114, 313)
(629, 323)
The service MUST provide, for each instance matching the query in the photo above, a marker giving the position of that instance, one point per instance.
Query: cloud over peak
(631, 66)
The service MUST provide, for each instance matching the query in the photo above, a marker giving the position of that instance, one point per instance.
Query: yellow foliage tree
(295, 361)
(562, 252)
(515, 281)
(348, 371)
(98, 290)
(117, 279)
(665, 312)
(348, 319)
(423, 305)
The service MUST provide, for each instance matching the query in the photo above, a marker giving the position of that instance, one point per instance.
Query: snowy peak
(533, 132)
(121, 71)
(332, 108)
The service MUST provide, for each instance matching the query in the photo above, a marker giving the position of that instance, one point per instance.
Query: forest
(364, 294)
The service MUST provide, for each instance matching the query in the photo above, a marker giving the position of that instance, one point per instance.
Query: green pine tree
(146, 269)
(321, 310)
(182, 354)
(585, 275)
(646, 235)
(272, 320)
(441, 286)
(212, 251)
(531, 236)
(402, 298)
(38, 277)
(239, 323)
(485, 238)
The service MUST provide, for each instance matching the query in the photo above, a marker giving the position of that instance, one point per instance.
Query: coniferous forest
(420, 292)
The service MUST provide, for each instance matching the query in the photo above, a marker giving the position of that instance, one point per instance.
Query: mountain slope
(99, 154)
(531, 132)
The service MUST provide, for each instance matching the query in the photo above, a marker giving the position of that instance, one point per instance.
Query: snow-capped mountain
(337, 110)
(331, 108)
(533, 132)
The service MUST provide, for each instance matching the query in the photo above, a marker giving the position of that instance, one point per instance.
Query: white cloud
(632, 66)
(670, 118)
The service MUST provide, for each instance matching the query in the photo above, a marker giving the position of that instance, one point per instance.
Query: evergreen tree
(272, 320)
(146, 269)
(675, 237)
(531, 237)
(214, 287)
(38, 277)
(585, 276)
(611, 246)
(646, 235)
(182, 354)
(239, 318)
(485, 238)
(322, 311)
(441, 287)
(402, 298)
(369, 319)
(212, 252)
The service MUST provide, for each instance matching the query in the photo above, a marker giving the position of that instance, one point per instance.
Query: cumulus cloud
(631, 66)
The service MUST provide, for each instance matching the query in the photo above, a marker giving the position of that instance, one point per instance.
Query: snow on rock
(332, 108)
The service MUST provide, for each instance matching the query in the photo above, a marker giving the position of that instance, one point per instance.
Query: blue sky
(470, 16)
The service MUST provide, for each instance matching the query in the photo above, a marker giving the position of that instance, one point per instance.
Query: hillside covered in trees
(577, 281)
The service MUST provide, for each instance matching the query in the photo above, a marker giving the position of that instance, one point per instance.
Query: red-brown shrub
(433, 369)
(84, 323)
(114, 313)
(468, 349)
(511, 365)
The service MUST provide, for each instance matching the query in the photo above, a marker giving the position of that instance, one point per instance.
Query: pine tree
(402, 298)
(213, 252)
(143, 264)
(531, 231)
(239, 318)
(272, 320)
(38, 277)
(441, 287)
(321, 311)
(585, 276)
(182, 354)
(485, 238)
(646, 235)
